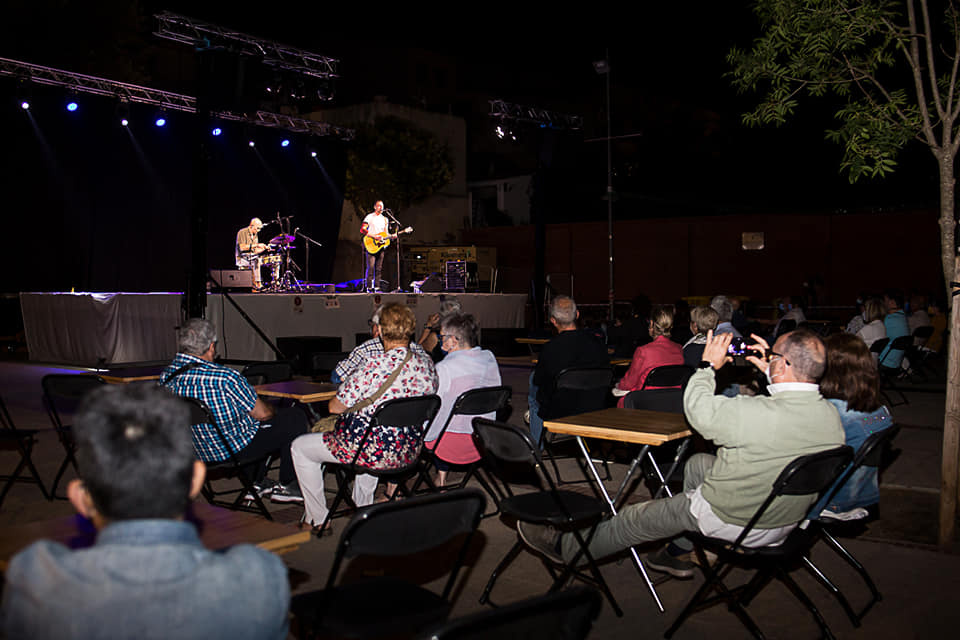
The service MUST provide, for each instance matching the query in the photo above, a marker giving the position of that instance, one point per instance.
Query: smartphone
(737, 346)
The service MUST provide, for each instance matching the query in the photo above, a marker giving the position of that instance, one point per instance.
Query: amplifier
(233, 278)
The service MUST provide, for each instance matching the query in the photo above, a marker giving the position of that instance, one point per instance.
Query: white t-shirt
(376, 223)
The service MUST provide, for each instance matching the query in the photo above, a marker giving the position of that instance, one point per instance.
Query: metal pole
(610, 294)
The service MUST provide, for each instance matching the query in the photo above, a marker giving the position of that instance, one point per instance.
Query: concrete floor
(919, 583)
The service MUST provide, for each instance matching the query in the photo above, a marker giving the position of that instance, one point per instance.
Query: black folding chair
(576, 390)
(388, 605)
(62, 393)
(23, 440)
(916, 354)
(870, 454)
(563, 615)
(568, 511)
(414, 413)
(235, 465)
(267, 372)
(806, 475)
(889, 375)
(474, 402)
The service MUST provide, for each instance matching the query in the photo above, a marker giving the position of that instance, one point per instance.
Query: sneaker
(542, 538)
(263, 488)
(664, 562)
(287, 493)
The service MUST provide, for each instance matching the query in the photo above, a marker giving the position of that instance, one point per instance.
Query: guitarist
(374, 227)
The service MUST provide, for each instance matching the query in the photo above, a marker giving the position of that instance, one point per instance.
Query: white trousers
(310, 453)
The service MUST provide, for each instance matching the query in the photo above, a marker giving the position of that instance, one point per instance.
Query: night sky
(693, 155)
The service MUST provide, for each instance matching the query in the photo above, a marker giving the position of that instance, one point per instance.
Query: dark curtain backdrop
(90, 205)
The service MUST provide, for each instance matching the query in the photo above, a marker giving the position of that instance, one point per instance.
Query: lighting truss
(123, 91)
(505, 111)
(193, 32)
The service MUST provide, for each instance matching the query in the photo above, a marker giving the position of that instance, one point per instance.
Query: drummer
(248, 249)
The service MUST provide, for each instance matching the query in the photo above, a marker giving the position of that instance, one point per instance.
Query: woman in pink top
(662, 351)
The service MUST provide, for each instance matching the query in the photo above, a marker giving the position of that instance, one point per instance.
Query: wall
(702, 256)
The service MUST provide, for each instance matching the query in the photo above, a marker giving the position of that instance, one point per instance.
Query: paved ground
(919, 583)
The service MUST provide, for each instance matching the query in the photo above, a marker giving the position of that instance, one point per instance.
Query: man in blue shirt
(249, 424)
(896, 325)
(148, 575)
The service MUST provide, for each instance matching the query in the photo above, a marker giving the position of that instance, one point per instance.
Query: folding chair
(234, 465)
(576, 390)
(267, 372)
(870, 454)
(474, 402)
(809, 474)
(387, 605)
(567, 614)
(23, 440)
(416, 413)
(916, 354)
(889, 375)
(566, 510)
(62, 393)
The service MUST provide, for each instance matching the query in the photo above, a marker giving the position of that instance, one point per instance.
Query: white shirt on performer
(376, 224)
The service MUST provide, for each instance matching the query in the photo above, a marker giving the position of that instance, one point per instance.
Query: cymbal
(282, 239)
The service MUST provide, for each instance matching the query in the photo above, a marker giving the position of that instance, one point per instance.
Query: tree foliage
(891, 65)
(395, 161)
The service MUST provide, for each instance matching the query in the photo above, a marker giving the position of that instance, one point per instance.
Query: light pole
(602, 67)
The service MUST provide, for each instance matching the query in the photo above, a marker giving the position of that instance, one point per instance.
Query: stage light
(124, 122)
(72, 106)
(217, 131)
(160, 122)
(251, 144)
(24, 105)
(285, 143)
(313, 154)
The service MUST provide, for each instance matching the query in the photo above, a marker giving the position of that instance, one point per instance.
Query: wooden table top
(625, 425)
(132, 374)
(532, 340)
(301, 390)
(219, 528)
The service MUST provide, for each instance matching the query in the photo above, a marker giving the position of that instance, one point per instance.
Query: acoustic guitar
(374, 244)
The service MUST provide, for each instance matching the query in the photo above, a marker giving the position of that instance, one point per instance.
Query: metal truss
(194, 32)
(123, 91)
(534, 115)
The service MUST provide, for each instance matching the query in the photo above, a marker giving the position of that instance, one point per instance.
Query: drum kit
(277, 257)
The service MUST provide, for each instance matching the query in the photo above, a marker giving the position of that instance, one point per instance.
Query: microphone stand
(389, 213)
(309, 241)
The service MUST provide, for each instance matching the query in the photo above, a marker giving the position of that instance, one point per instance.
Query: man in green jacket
(757, 437)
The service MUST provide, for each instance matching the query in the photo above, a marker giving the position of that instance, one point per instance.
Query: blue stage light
(217, 131)
(285, 143)
(252, 143)
(72, 106)
(160, 122)
(24, 105)
(124, 122)
(313, 154)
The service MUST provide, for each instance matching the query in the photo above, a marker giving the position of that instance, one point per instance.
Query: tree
(395, 161)
(894, 69)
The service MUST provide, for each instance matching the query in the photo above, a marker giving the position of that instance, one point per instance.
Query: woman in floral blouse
(384, 448)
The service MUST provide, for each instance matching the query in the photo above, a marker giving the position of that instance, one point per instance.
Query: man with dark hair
(757, 437)
(896, 325)
(570, 348)
(248, 423)
(148, 575)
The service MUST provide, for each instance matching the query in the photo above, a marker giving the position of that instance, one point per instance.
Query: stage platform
(109, 329)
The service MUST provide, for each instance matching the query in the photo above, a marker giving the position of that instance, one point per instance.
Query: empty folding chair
(62, 393)
(23, 440)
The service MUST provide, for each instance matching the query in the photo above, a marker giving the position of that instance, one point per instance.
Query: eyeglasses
(773, 354)
(444, 336)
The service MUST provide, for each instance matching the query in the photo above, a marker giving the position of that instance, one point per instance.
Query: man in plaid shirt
(249, 425)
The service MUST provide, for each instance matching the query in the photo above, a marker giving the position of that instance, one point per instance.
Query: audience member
(682, 332)
(856, 322)
(569, 348)
(387, 446)
(851, 383)
(430, 338)
(250, 425)
(939, 321)
(702, 320)
(896, 324)
(466, 367)
(758, 437)
(792, 311)
(918, 313)
(364, 350)
(148, 575)
(873, 328)
(724, 308)
(662, 351)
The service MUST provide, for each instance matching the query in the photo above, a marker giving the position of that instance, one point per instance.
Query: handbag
(330, 422)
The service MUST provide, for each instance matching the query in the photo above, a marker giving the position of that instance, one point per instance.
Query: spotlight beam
(81, 83)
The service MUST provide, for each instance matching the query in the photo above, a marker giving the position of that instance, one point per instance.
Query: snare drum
(271, 259)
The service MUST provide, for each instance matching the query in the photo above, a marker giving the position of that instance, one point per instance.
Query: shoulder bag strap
(366, 402)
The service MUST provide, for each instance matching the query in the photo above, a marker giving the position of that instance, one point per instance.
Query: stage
(110, 329)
